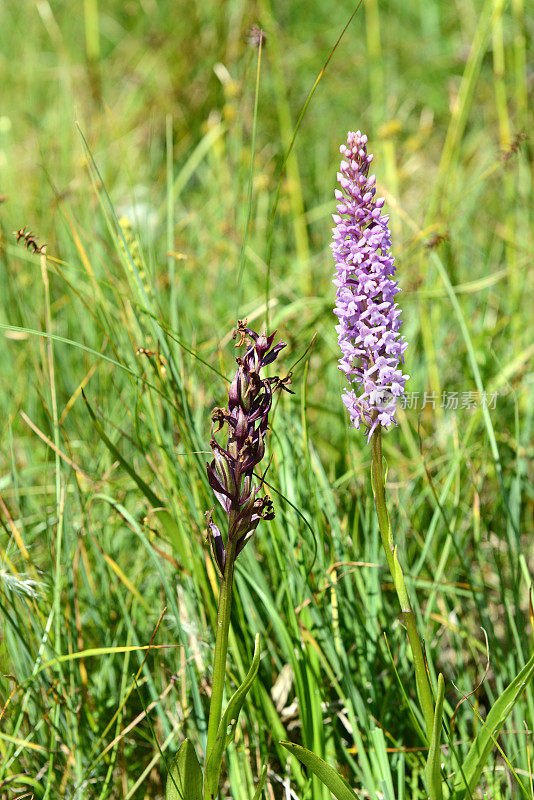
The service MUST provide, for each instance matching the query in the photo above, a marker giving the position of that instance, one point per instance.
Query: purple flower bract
(369, 319)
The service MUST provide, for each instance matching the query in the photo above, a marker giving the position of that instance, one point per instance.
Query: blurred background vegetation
(126, 131)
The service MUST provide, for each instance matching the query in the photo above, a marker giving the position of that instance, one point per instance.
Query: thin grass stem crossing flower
(369, 319)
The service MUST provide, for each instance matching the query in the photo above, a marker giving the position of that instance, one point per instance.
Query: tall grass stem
(423, 686)
(221, 646)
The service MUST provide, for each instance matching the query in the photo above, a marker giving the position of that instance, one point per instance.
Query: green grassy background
(161, 95)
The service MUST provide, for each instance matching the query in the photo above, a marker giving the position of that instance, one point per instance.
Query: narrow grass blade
(166, 519)
(326, 774)
(261, 783)
(147, 491)
(490, 730)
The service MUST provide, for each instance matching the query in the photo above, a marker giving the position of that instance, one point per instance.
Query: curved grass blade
(326, 774)
(152, 498)
(164, 516)
(486, 738)
(56, 338)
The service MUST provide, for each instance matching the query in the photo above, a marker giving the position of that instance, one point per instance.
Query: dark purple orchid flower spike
(231, 473)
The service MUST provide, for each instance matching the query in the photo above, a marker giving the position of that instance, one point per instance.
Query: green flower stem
(424, 692)
(221, 644)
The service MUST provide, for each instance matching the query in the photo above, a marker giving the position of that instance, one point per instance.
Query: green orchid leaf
(228, 724)
(469, 775)
(184, 781)
(326, 774)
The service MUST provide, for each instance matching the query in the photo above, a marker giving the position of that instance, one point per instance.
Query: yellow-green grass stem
(424, 692)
